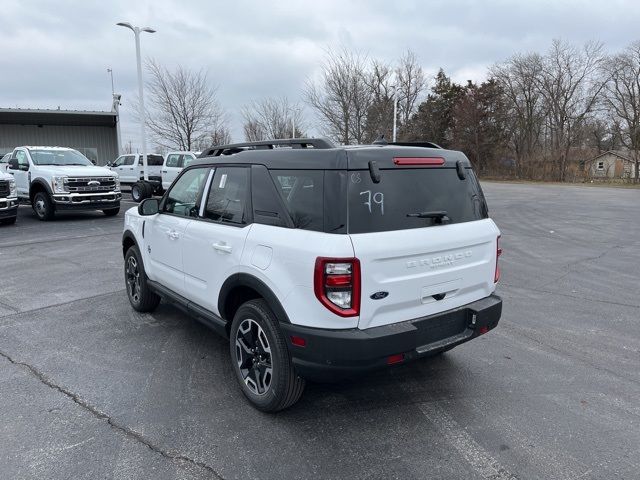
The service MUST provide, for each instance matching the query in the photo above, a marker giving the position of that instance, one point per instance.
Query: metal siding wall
(104, 139)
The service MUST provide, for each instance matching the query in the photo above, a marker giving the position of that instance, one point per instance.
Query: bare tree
(272, 118)
(341, 97)
(622, 99)
(184, 109)
(570, 83)
(517, 79)
(380, 115)
(411, 83)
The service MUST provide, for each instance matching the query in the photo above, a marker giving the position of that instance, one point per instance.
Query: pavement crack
(113, 424)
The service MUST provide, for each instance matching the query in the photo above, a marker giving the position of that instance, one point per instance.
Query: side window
(184, 197)
(173, 160)
(118, 161)
(22, 158)
(186, 160)
(302, 192)
(226, 202)
(154, 160)
(128, 159)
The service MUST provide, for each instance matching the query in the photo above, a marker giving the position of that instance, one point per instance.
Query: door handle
(172, 234)
(222, 247)
(164, 171)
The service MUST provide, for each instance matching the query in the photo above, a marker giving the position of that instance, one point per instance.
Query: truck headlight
(116, 181)
(13, 192)
(59, 185)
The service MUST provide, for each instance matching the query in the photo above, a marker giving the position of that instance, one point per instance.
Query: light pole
(395, 111)
(143, 137)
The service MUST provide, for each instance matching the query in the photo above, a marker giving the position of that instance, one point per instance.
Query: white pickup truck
(8, 199)
(173, 164)
(58, 178)
(130, 170)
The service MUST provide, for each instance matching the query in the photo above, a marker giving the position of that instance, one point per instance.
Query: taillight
(431, 161)
(496, 277)
(336, 282)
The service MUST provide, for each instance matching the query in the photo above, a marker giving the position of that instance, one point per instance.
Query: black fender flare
(248, 280)
(40, 183)
(127, 235)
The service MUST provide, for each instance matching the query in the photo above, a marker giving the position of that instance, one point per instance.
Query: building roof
(615, 153)
(20, 116)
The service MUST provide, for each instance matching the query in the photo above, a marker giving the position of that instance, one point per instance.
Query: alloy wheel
(253, 355)
(133, 279)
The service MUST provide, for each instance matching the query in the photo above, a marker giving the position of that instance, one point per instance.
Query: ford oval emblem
(379, 295)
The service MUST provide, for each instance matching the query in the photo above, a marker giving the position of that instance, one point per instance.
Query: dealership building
(95, 134)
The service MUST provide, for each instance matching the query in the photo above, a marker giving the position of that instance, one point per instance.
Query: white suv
(57, 178)
(319, 262)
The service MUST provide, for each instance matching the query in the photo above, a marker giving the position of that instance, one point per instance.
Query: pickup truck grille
(91, 184)
(4, 188)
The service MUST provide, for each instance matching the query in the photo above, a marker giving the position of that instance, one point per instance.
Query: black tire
(111, 212)
(43, 206)
(9, 221)
(149, 188)
(276, 385)
(140, 295)
(138, 192)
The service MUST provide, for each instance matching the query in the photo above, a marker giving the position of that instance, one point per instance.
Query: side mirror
(13, 164)
(149, 206)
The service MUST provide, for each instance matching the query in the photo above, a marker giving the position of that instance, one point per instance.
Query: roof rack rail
(217, 150)
(416, 144)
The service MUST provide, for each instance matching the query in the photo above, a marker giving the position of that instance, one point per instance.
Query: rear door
(424, 242)
(170, 169)
(154, 164)
(126, 170)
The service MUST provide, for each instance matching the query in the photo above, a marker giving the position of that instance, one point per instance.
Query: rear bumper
(334, 354)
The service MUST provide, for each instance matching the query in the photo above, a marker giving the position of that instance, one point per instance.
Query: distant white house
(611, 164)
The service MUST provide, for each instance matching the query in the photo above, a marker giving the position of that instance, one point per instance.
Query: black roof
(321, 154)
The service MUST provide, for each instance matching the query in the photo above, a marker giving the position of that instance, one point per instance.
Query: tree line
(538, 115)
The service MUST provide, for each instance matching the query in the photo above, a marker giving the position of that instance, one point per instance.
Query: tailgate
(424, 271)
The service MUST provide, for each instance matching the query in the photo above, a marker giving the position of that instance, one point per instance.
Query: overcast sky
(56, 53)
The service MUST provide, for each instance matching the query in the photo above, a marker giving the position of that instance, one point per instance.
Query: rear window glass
(418, 192)
(154, 160)
(302, 192)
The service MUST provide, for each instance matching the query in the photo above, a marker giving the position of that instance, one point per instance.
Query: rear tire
(140, 295)
(43, 206)
(111, 212)
(260, 359)
(138, 192)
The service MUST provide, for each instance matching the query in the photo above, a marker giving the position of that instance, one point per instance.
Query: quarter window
(302, 192)
(184, 197)
(226, 202)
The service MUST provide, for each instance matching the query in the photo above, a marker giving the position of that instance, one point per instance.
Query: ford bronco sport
(319, 262)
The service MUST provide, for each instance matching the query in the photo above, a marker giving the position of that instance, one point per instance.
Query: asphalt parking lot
(91, 389)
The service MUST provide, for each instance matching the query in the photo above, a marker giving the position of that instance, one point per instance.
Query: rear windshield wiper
(440, 216)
